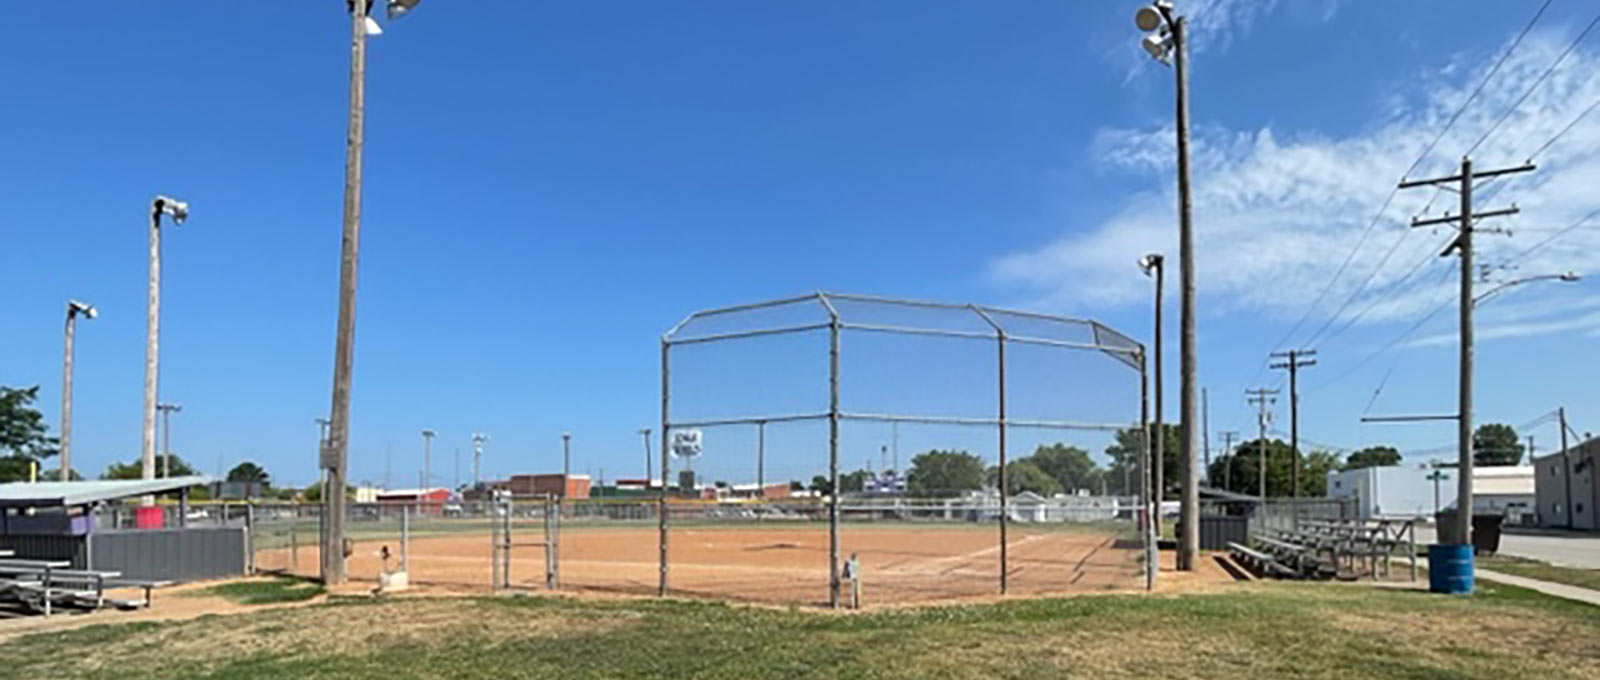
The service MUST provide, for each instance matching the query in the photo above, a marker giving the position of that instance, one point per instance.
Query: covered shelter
(91, 524)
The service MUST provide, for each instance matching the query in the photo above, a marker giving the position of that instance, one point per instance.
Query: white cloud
(1276, 213)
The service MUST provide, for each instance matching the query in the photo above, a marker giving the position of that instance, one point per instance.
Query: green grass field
(1258, 630)
(1518, 566)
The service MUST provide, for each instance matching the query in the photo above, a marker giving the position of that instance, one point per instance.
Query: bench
(146, 585)
(1262, 562)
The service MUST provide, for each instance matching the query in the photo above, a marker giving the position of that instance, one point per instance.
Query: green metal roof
(45, 494)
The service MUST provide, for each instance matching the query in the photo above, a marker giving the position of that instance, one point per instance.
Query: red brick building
(564, 486)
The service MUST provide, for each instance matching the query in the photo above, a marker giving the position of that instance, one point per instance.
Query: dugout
(95, 525)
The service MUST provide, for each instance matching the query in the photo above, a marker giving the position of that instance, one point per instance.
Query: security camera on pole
(1165, 40)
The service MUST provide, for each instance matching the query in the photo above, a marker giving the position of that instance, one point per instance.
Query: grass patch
(1259, 630)
(270, 591)
(1520, 566)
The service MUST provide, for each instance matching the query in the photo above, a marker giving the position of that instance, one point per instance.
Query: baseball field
(780, 563)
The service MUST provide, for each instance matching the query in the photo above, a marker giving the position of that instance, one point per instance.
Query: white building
(1402, 492)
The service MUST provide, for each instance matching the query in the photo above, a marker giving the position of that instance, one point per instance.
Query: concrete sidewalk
(1560, 590)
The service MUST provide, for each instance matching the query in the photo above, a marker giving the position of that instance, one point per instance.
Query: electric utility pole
(1294, 360)
(1463, 245)
(1227, 450)
(1262, 398)
(1566, 465)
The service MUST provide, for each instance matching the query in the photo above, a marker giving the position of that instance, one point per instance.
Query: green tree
(854, 482)
(1070, 466)
(1314, 469)
(1124, 453)
(1373, 456)
(1023, 475)
(1496, 444)
(250, 472)
(24, 437)
(177, 467)
(820, 484)
(944, 473)
(1240, 469)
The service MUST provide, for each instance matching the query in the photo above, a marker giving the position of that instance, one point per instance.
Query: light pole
(1164, 39)
(566, 461)
(166, 435)
(645, 433)
(74, 308)
(1568, 277)
(178, 211)
(1153, 265)
(478, 438)
(333, 456)
(427, 459)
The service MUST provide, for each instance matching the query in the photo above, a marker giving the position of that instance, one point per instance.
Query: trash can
(1486, 533)
(1450, 568)
(1444, 525)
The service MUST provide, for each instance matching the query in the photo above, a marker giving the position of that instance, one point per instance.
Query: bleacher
(49, 586)
(1329, 549)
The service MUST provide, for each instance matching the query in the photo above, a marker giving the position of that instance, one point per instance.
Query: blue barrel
(1450, 568)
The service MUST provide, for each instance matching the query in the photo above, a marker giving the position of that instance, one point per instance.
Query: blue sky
(549, 186)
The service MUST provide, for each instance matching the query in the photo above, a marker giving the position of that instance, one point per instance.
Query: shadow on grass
(271, 591)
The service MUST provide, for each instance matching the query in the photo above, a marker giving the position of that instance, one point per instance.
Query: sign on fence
(686, 443)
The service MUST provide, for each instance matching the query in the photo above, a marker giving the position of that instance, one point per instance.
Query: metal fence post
(494, 545)
(661, 507)
(551, 563)
(405, 539)
(250, 538)
(1000, 342)
(833, 456)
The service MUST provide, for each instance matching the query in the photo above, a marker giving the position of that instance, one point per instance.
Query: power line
(1413, 329)
(1414, 164)
(1536, 83)
(1430, 256)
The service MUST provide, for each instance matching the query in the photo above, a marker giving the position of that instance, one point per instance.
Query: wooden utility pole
(335, 452)
(1262, 398)
(1566, 465)
(1294, 361)
(1462, 245)
(1227, 450)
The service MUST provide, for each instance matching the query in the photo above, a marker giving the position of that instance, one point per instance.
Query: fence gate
(505, 536)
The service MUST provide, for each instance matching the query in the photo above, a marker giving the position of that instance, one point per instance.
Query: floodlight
(399, 8)
(372, 27)
(1148, 18)
(1149, 262)
(178, 210)
(84, 308)
(1157, 45)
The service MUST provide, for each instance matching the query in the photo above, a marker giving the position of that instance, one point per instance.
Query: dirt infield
(773, 563)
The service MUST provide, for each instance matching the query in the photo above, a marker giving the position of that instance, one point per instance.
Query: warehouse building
(1565, 488)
